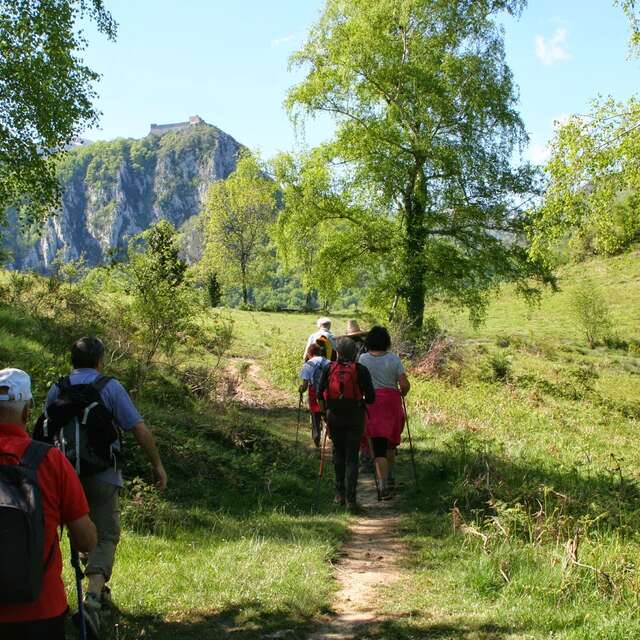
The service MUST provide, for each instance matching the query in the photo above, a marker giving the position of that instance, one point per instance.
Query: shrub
(214, 290)
(443, 358)
(500, 367)
(591, 312)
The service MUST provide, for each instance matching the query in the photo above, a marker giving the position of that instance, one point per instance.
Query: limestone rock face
(114, 190)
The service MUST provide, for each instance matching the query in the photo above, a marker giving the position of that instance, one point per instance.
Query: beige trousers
(104, 510)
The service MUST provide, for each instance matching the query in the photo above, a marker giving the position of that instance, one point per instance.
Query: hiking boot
(92, 608)
(339, 499)
(105, 597)
(385, 493)
(354, 507)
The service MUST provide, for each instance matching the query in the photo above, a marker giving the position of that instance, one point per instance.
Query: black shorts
(380, 447)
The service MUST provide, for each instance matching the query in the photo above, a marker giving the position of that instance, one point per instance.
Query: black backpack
(22, 528)
(78, 423)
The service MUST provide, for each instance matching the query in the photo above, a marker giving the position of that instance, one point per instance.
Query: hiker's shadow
(244, 621)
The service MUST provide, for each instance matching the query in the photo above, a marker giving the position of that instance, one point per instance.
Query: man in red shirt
(63, 503)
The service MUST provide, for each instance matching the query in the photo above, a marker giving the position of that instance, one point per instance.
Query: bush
(442, 359)
(499, 367)
(591, 312)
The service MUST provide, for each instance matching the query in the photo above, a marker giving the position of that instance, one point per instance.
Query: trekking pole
(299, 413)
(413, 460)
(375, 470)
(321, 470)
(75, 563)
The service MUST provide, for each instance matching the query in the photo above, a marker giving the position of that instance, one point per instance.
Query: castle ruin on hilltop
(159, 129)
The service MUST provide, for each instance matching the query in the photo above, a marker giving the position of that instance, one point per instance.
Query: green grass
(618, 277)
(235, 548)
(512, 472)
(509, 473)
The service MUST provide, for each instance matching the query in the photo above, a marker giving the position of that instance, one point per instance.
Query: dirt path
(255, 390)
(369, 559)
(367, 562)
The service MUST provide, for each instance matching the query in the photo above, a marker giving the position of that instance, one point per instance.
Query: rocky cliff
(113, 190)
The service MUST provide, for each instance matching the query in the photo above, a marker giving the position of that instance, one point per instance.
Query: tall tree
(161, 295)
(46, 95)
(417, 186)
(239, 212)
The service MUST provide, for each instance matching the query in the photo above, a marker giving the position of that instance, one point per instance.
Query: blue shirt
(117, 400)
(312, 370)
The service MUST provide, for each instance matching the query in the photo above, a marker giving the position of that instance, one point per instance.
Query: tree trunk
(245, 294)
(415, 268)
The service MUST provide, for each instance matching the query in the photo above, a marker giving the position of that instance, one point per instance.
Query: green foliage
(594, 182)
(499, 367)
(162, 299)
(46, 94)
(591, 312)
(239, 211)
(214, 290)
(415, 194)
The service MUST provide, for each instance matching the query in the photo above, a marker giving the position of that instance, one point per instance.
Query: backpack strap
(101, 382)
(64, 382)
(34, 454)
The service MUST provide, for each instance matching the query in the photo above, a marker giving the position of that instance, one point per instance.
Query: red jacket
(63, 501)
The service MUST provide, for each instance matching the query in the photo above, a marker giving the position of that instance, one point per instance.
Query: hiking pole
(375, 470)
(299, 412)
(75, 563)
(321, 470)
(413, 460)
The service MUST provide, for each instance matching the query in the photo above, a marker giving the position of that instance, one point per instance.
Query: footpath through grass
(235, 547)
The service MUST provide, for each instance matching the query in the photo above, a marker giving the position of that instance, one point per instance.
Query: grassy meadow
(526, 521)
(526, 517)
(235, 547)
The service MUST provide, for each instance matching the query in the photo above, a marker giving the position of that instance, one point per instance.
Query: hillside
(522, 524)
(113, 190)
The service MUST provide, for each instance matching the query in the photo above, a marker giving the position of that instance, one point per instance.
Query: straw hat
(353, 329)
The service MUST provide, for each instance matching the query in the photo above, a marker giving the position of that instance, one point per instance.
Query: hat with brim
(353, 330)
(15, 386)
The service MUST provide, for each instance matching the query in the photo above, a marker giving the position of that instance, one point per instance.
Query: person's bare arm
(82, 534)
(404, 384)
(145, 439)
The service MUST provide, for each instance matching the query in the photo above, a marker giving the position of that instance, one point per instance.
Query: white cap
(323, 321)
(17, 384)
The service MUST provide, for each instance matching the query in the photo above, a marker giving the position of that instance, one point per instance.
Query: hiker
(344, 388)
(33, 603)
(103, 488)
(323, 332)
(358, 336)
(310, 375)
(385, 418)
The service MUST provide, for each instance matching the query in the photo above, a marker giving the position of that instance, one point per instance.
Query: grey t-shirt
(385, 369)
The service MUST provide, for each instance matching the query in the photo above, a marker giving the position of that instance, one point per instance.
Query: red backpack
(342, 384)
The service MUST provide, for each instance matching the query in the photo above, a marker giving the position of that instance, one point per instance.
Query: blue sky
(227, 62)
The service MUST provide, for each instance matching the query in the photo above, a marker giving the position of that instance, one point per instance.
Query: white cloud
(277, 42)
(552, 50)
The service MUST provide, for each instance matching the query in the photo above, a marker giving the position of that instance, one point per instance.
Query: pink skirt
(385, 417)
